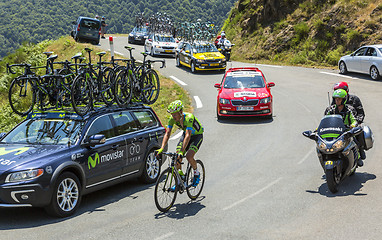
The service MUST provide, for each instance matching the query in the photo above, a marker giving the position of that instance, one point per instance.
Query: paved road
(263, 178)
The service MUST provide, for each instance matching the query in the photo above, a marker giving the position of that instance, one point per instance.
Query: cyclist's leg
(193, 148)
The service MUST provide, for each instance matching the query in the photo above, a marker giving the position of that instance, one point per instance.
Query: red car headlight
(265, 100)
(224, 101)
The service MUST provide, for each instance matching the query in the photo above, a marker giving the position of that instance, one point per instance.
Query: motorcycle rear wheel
(332, 179)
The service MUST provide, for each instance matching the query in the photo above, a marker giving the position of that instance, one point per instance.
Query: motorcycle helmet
(175, 106)
(222, 35)
(341, 85)
(340, 93)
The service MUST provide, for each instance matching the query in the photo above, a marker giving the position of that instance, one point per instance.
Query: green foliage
(301, 32)
(8, 118)
(352, 34)
(37, 20)
(334, 56)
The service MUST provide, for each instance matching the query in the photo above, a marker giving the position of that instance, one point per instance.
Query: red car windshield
(244, 82)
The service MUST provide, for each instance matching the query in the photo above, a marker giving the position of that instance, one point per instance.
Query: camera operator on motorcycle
(346, 111)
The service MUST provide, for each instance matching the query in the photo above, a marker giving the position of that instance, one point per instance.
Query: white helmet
(222, 34)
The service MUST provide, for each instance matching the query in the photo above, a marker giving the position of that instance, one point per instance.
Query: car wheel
(343, 68)
(374, 73)
(66, 196)
(177, 61)
(151, 168)
(193, 70)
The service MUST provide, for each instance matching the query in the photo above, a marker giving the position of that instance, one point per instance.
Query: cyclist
(191, 139)
(359, 113)
(343, 109)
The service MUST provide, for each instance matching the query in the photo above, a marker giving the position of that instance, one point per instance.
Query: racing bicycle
(170, 182)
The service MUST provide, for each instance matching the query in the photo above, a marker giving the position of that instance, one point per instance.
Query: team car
(52, 159)
(160, 44)
(138, 35)
(199, 56)
(244, 92)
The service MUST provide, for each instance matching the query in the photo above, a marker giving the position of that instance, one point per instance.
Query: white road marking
(177, 135)
(165, 236)
(199, 103)
(306, 156)
(119, 53)
(338, 75)
(266, 65)
(252, 195)
(177, 80)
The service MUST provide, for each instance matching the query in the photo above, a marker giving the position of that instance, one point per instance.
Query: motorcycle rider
(343, 109)
(359, 113)
(221, 40)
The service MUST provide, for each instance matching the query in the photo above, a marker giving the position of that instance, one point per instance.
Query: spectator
(103, 27)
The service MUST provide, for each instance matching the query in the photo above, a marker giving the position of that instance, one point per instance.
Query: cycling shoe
(196, 180)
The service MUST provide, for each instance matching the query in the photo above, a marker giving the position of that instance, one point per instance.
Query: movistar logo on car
(17, 151)
(331, 129)
(93, 162)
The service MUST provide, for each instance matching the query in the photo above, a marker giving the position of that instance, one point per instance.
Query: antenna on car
(328, 99)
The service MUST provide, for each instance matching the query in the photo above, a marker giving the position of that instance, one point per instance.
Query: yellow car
(199, 56)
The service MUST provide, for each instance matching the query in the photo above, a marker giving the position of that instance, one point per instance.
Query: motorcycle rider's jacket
(346, 113)
(355, 102)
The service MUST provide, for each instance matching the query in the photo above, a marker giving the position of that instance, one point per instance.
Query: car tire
(343, 68)
(374, 73)
(66, 188)
(193, 70)
(151, 168)
(178, 61)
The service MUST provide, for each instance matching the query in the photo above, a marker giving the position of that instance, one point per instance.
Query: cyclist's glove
(159, 151)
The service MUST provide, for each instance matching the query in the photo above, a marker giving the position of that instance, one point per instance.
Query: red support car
(244, 92)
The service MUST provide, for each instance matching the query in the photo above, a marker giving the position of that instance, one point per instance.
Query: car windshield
(244, 81)
(140, 29)
(45, 131)
(380, 49)
(202, 48)
(164, 39)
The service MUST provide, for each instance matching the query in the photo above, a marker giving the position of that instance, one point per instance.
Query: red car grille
(251, 102)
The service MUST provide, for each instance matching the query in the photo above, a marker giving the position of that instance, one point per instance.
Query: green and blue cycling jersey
(190, 122)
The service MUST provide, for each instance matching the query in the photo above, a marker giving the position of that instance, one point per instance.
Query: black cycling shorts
(193, 144)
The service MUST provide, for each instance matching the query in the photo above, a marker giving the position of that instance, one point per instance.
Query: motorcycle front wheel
(332, 179)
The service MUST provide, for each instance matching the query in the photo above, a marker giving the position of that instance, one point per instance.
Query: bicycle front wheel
(150, 86)
(123, 88)
(81, 95)
(194, 190)
(164, 195)
(21, 95)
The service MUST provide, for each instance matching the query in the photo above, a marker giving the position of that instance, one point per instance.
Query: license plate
(244, 108)
(168, 50)
(214, 64)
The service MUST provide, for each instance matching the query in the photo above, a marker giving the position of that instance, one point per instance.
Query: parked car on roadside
(52, 159)
(366, 59)
(87, 30)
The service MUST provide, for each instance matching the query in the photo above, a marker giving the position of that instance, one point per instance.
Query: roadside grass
(65, 47)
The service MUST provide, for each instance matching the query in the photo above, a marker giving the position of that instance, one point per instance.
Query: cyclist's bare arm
(166, 137)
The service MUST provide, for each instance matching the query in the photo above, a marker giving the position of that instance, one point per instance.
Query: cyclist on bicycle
(191, 139)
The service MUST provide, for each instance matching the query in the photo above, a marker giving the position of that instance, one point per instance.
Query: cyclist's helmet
(175, 106)
(340, 93)
(222, 34)
(341, 85)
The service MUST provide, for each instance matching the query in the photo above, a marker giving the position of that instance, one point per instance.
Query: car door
(187, 54)
(127, 127)
(103, 162)
(367, 59)
(354, 62)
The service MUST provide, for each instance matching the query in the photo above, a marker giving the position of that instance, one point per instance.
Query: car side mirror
(94, 140)
(150, 40)
(187, 51)
(217, 85)
(271, 84)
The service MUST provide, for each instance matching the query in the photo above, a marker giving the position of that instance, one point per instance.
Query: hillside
(38, 20)
(307, 32)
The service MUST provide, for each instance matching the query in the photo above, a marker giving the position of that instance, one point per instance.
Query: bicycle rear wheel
(107, 78)
(193, 192)
(81, 95)
(21, 95)
(163, 195)
(150, 86)
(123, 88)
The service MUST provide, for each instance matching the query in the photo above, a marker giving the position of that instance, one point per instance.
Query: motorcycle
(337, 150)
(225, 48)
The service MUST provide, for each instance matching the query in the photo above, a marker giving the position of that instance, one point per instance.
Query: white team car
(160, 44)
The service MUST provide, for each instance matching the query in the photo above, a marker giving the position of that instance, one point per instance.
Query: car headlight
(131, 35)
(146, 36)
(265, 100)
(224, 60)
(200, 60)
(223, 101)
(24, 175)
(157, 46)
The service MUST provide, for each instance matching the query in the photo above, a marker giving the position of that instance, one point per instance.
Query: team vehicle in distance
(138, 35)
(244, 92)
(366, 59)
(199, 56)
(52, 159)
(160, 44)
(86, 29)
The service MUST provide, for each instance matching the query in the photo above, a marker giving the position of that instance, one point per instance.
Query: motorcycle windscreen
(331, 126)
